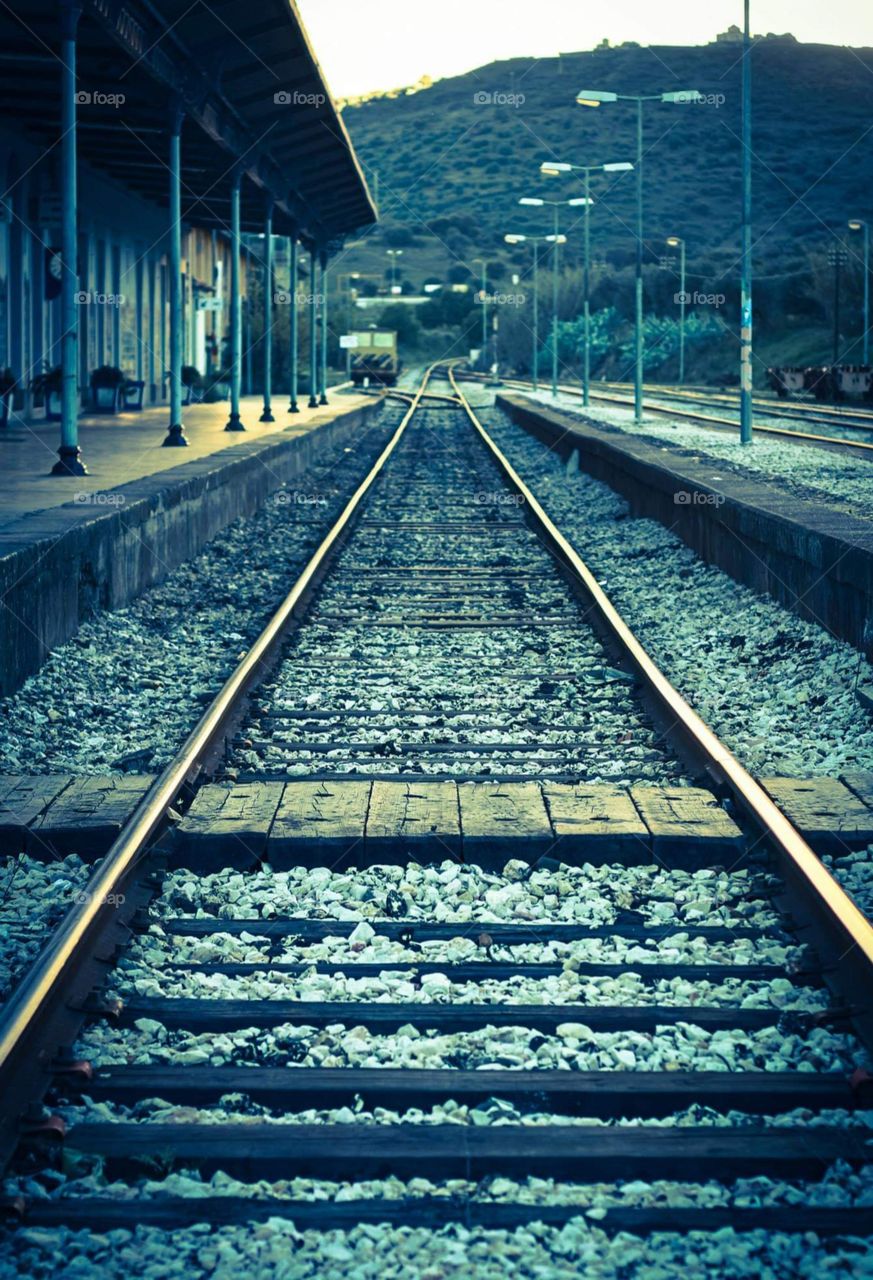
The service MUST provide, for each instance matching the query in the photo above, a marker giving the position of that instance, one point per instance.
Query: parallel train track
(518, 571)
(668, 402)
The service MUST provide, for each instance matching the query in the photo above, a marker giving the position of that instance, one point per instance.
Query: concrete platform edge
(60, 565)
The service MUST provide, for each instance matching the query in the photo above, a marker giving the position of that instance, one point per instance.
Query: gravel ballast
(779, 691)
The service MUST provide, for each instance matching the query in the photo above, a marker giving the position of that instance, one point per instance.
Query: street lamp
(552, 169)
(859, 224)
(555, 240)
(673, 241)
(394, 254)
(535, 241)
(595, 98)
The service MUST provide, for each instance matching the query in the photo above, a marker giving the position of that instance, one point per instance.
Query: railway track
(672, 404)
(485, 1041)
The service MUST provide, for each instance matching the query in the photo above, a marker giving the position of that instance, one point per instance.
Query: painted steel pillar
(313, 331)
(639, 354)
(536, 317)
(293, 407)
(746, 423)
(322, 399)
(233, 422)
(176, 434)
(69, 455)
(267, 415)
(586, 354)
(555, 307)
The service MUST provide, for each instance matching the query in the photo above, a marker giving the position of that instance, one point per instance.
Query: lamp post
(859, 224)
(536, 241)
(394, 254)
(595, 98)
(746, 275)
(675, 241)
(552, 169)
(555, 239)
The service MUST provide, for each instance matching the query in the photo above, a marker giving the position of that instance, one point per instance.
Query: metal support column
(313, 330)
(682, 303)
(746, 284)
(69, 455)
(639, 355)
(536, 316)
(586, 354)
(176, 434)
(555, 307)
(293, 406)
(267, 415)
(322, 399)
(234, 423)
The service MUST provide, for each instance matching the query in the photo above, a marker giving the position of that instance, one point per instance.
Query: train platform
(812, 555)
(123, 447)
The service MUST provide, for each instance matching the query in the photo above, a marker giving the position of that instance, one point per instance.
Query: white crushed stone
(238, 1109)
(575, 1046)
(779, 691)
(630, 988)
(451, 892)
(112, 696)
(370, 1251)
(839, 1187)
(34, 896)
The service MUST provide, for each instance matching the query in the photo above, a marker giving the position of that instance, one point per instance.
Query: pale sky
(383, 44)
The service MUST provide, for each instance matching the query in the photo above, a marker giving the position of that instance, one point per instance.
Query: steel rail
(796, 856)
(717, 424)
(855, 419)
(45, 979)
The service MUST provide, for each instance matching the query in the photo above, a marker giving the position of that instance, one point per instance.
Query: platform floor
(122, 447)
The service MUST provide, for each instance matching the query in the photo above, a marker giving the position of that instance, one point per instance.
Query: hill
(453, 159)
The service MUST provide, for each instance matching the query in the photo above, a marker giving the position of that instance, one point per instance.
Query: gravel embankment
(33, 897)
(126, 689)
(779, 691)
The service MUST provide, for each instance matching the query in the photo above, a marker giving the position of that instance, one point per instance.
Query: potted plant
(8, 383)
(106, 384)
(46, 390)
(192, 381)
(219, 386)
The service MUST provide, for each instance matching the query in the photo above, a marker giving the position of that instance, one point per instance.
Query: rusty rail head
(44, 980)
(800, 865)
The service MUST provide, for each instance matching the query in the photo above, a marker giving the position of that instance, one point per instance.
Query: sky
(364, 45)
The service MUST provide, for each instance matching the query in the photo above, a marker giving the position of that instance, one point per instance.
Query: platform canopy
(247, 79)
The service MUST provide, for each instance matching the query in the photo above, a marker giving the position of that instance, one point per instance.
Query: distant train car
(374, 358)
(825, 382)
